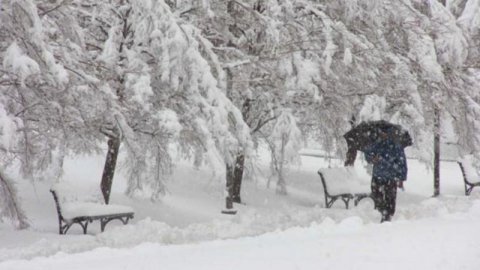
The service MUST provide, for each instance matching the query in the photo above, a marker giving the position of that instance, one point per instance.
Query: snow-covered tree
(284, 142)
(159, 89)
(10, 206)
(236, 45)
(75, 72)
(209, 75)
(33, 93)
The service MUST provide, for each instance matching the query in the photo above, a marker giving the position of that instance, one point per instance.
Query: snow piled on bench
(80, 201)
(345, 180)
(68, 192)
(80, 209)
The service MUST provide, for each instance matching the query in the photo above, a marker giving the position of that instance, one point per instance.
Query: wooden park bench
(82, 209)
(470, 177)
(345, 184)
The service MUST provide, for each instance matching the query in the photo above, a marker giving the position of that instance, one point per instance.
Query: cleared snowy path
(450, 241)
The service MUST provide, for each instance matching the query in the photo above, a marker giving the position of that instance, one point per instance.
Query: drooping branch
(9, 204)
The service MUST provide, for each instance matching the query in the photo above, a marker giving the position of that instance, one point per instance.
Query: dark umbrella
(367, 133)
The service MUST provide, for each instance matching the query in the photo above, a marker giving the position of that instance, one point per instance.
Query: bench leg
(60, 226)
(64, 228)
(346, 200)
(104, 221)
(468, 190)
(125, 222)
(329, 201)
(84, 226)
(359, 198)
(356, 201)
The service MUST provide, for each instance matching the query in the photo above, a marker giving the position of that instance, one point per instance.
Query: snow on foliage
(164, 91)
(373, 108)
(18, 63)
(473, 117)
(10, 206)
(422, 48)
(347, 57)
(470, 17)
(8, 129)
(301, 74)
(330, 48)
(469, 20)
(285, 143)
(450, 42)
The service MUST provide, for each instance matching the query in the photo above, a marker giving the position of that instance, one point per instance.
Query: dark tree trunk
(239, 165)
(351, 152)
(230, 172)
(237, 178)
(229, 199)
(351, 156)
(436, 153)
(109, 168)
(235, 171)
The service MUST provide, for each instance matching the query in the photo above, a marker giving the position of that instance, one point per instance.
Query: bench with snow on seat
(343, 183)
(471, 178)
(82, 206)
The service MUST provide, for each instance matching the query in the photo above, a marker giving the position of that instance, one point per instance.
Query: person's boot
(386, 217)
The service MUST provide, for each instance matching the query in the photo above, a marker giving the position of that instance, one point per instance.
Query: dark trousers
(384, 195)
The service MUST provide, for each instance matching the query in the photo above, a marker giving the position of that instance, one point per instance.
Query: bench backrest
(66, 192)
(470, 174)
(342, 180)
(57, 204)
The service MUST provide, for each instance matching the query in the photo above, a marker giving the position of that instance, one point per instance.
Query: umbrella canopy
(367, 133)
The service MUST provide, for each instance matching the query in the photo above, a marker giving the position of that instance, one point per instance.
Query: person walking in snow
(389, 171)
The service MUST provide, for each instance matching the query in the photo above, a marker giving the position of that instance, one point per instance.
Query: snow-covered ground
(186, 230)
(446, 242)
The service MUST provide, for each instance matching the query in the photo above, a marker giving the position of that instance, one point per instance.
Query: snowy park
(187, 229)
(239, 134)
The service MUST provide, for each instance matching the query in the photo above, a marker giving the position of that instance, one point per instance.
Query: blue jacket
(391, 163)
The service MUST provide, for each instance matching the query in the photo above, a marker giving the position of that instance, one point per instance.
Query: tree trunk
(237, 177)
(351, 151)
(436, 153)
(351, 156)
(235, 171)
(109, 168)
(281, 184)
(229, 185)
